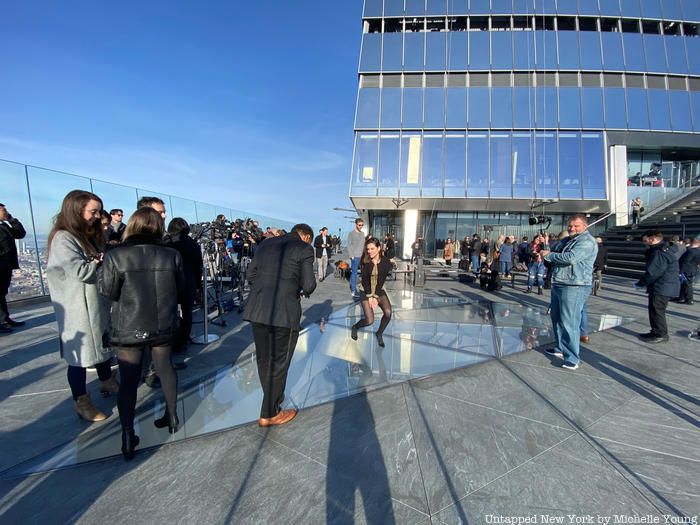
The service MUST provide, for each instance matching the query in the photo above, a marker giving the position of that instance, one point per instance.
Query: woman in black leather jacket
(374, 268)
(145, 281)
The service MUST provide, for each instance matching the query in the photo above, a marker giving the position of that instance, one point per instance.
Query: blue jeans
(567, 308)
(584, 316)
(535, 270)
(354, 267)
(505, 267)
(475, 263)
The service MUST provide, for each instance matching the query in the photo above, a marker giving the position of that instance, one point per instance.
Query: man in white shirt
(322, 246)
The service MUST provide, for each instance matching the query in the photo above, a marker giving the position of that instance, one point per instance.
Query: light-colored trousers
(322, 266)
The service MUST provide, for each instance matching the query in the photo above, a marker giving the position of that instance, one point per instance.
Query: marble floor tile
(580, 398)
(571, 478)
(364, 437)
(648, 428)
(671, 482)
(494, 385)
(461, 447)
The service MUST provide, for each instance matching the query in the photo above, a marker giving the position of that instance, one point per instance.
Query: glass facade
(513, 99)
(34, 195)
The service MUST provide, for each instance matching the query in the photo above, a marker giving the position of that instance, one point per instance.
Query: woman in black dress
(374, 268)
(146, 282)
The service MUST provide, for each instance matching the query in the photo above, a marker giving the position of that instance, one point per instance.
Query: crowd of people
(119, 267)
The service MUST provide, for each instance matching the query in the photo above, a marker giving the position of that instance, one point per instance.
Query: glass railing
(34, 195)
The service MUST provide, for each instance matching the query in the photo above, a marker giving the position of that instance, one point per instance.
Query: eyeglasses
(119, 214)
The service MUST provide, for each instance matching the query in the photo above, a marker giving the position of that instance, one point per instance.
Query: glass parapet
(34, 195)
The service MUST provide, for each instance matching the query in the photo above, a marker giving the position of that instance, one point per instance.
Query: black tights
(77, 376)
(130, 375)
(368, 319)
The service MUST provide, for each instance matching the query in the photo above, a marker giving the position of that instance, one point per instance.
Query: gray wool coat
(82, 313)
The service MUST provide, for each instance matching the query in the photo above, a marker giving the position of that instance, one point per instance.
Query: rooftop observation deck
(460, 419)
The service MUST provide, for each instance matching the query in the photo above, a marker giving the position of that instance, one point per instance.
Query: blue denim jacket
(572, 263)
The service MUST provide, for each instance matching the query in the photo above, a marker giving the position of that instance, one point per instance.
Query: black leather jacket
(145, 281)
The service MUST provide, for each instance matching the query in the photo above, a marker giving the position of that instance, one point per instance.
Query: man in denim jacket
(572, 276)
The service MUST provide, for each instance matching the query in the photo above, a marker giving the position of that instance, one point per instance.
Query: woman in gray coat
(82, 313)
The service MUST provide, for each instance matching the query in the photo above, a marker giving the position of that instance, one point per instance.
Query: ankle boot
(380, 339)
(529, 289)
(129, 442)
(88, 411)
(539, 290)
(109, 387)
(353, 333)
(168, 420)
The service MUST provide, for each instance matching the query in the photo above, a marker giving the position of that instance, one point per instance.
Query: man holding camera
(572, 276)
(10, 230)
(281, 272)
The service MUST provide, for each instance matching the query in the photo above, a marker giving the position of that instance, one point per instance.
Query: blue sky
(245, 104)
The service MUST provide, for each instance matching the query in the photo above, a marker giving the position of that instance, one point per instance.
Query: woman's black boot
(380, 339)
(168, 420)
(129, 442)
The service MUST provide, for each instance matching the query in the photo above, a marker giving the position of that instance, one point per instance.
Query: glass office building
(476, 113)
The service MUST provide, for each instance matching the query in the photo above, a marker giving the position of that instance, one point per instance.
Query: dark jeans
(5, 277)
(687, 290)
(77, 377)
(183, 336)
(657, 314)
(274, 348)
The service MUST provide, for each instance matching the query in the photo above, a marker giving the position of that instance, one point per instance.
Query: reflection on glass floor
(428, 334)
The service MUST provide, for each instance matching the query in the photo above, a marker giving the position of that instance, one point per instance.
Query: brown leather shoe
(282, 417)
(585, 339)
(88, 411)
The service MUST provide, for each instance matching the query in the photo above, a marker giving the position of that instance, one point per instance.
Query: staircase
(625, 248)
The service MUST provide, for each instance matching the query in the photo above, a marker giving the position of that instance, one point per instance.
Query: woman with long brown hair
(146, 282)
(374, 268)
(82, 314)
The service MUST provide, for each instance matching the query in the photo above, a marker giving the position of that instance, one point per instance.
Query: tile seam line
(576, 432)
(653, 351)
(508, 472)
(697, 460)
(570, 429)
(672, 427)
(415, 445)
(14, 396)
(645, 384)
(325, 466)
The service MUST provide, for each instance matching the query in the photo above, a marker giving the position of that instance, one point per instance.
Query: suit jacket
(8, 249)
(281, 270)
(318, 245)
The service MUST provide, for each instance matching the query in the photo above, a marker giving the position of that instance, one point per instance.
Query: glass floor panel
(428, 334)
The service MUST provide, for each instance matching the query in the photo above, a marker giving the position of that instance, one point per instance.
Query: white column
(618, 184)
(410, 227)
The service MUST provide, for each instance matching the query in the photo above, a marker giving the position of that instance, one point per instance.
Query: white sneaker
(570, 366)
(554, 352)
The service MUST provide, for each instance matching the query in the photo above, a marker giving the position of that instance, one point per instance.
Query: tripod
(207, 274)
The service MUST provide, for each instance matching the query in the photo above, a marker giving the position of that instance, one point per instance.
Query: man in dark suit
(10, 229)
(322, 245)
(281, 271)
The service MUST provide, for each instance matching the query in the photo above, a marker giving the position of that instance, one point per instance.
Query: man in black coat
(689, 263)
(662, 284)
(281, 271)
(179, 238)
(10, 229)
